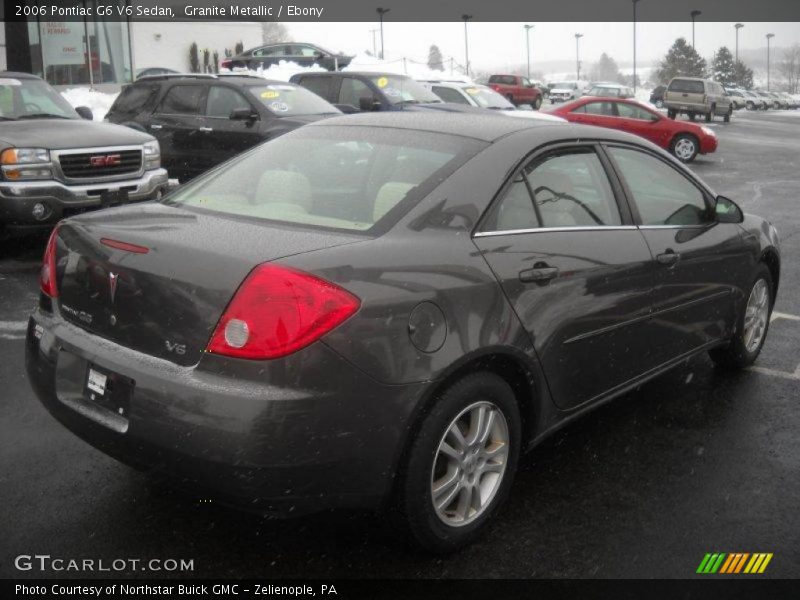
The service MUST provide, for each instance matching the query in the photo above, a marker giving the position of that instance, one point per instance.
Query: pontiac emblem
(112, 285)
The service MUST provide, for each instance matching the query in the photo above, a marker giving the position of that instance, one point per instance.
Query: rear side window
(604, 109)
(133, 97)
(686, 86)
(182, 100)
(662, 195)
(353, 90)
(321, 86)
(567, 188)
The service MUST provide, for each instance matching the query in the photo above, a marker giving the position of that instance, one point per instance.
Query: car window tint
(300, 50)
(571, 189)
(353, 90)
(605, 109)
(449, 95)
(687, 86)
(181, 100)
(271, 51)
(224, 100)
(663, 195)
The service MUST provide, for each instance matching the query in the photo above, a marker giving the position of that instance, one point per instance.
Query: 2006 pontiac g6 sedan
(386, 310)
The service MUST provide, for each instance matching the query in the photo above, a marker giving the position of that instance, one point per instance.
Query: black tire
(749, 105)
(710, 115)
(537, 104)
(691, 116)
(727, 117)
(510, 98)
(685, 137)
(416, 511)
(735, 355)
(671, 114)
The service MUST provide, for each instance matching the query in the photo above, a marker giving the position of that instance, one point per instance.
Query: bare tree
(789, 67)
(274, 33)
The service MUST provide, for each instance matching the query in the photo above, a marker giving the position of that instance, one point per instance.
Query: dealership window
(78, 52)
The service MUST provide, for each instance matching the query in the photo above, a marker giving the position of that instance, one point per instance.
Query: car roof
(18, 75)
(235, 78)
(486, 127)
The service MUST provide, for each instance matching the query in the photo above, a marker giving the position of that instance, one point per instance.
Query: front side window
(181, 100)
(663, 195)
(353, 90)
(222, 101)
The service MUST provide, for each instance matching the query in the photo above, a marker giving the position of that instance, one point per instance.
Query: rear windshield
(687, 86)
(288, 100)
(348, 178)
(132, 97)
(402, 90)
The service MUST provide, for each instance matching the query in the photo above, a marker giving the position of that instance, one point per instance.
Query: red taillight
(278, 311)
(127, 247)
(47, 278)
(225, 64)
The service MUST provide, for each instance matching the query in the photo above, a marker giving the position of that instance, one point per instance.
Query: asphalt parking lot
(696, 461)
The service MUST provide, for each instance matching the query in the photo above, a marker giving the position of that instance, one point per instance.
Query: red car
(683, 139)
(518, 89)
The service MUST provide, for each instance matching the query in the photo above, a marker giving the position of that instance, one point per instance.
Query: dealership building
(105, 54)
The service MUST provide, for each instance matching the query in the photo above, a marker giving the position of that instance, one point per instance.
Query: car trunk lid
(156, 278)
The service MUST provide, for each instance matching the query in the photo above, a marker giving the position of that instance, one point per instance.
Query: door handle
(668, 258)
(206, 129)
(538, 274)
(155, 126)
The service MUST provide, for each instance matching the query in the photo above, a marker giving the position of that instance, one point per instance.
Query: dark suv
(203, 120)
(356, 92)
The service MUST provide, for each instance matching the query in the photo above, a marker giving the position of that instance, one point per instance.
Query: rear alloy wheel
(751, 326)
(461, 463)
(659, 104)
(685, 147)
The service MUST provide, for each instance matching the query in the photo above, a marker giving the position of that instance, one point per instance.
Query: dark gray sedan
(385, 310)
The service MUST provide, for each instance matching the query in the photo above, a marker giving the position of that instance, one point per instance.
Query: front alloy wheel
(685, 148)
(469, 464)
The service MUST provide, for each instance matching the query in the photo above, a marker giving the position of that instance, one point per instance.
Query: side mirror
(727, 211)
(368, 104)
(243, 114)
(85, 112)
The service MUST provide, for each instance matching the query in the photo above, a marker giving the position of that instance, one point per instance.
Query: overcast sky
(497, 44)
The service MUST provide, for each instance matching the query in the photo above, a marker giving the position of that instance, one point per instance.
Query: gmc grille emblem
(108, 160)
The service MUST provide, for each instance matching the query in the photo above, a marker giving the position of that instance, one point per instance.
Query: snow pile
(99, 102)
(284, 70)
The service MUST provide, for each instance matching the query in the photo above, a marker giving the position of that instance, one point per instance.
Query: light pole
(381, 13)
(635, 2)
(738, 26)
(694, 14)
(528, 46)
(578, 37)
(769, 37)
(466, 18)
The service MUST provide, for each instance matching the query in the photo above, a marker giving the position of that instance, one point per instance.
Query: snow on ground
(99, 102)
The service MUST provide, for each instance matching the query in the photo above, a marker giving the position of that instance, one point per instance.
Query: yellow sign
(472, 91)
(269, 95)
(383, 82)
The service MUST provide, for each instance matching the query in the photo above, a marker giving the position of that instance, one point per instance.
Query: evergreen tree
(723, 69)
(435, 61)
(743, 76)
(606, 69)
(681, 60)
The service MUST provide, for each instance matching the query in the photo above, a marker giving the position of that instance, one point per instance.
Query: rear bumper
(295, 435)
(17, 199)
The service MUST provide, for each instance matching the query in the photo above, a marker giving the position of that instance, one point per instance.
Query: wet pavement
(695, 461)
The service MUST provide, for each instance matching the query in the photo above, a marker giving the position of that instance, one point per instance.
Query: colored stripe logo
(734, 563)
